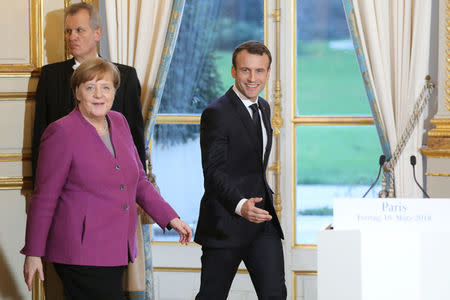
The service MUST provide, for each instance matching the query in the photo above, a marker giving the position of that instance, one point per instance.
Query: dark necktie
(257, 121)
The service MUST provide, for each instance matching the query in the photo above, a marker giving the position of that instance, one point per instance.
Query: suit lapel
(69, 100)
(247, 121)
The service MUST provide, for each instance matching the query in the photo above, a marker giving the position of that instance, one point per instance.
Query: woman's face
(95, 97)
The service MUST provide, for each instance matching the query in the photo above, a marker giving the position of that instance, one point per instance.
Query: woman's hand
(183, 229)
(31, 265)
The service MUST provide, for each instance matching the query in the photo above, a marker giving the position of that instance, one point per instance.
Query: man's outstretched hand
(254, 214)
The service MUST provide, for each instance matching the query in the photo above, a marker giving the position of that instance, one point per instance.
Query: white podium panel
(395, 262)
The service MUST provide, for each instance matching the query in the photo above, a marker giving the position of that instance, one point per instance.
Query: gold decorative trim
(36, 45)
(17, 96)
(442, 128)
(15, 183)
(438, 139)
(311, 272)
(37, 292)
(438, 174)
(321, 120)
(188, 270)
(66, 49)
(294, 281)
(177, 119)
(435, 153)
(8, 157)
(277, 120)
(17, 74)
(304, 246)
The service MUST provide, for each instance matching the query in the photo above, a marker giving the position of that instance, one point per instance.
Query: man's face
(81, 39)
(251, 73)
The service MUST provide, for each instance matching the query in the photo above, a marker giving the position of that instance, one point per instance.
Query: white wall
(24, 49)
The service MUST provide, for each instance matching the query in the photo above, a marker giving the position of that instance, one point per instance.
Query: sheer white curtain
(395, 38)
(136, 34)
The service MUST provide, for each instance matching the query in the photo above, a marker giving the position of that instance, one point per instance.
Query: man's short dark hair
(252, 47)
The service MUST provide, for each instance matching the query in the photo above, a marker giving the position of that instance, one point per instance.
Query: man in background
(54, 98)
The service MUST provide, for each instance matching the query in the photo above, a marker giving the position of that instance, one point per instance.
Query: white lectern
(382, 249)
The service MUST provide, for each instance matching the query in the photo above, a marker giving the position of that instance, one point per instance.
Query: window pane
(328, 78)
(178, 169)
(201, 65)
(332, 162)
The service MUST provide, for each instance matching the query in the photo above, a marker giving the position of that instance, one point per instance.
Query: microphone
(381, 161)
(412, 160)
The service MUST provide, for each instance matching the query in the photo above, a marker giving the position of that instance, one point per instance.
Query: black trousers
(263, 259)
(91, 282)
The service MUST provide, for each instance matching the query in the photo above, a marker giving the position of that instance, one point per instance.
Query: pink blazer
(83, 211)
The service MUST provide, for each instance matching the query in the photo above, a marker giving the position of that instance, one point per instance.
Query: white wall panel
(12, 232)
(14, 28)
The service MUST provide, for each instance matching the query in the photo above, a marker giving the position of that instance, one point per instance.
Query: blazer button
(122, 187)
(126, 206)
(117, 167)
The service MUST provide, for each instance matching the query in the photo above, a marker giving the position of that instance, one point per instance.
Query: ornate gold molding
(177, 119)
(319, 120)
(438, 139)
(15, 183)
(442, 128)
(437, 174)
(36, 45)
(277, 120)
(17, 96)
(38, 292)
(8, 157)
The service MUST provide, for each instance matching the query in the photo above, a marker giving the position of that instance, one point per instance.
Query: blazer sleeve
(133, 110)
(52, 171)
(214, 144)
(40, 118)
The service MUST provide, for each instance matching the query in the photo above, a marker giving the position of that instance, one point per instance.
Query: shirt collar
(247, 102)
(77, 63)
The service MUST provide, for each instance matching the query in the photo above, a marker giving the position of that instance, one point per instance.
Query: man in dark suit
(54, 98)
(237, 219)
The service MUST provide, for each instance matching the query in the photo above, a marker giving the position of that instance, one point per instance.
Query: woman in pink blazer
(83, 215)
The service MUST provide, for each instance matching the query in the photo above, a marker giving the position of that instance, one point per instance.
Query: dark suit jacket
(233, 169)
(54, 99)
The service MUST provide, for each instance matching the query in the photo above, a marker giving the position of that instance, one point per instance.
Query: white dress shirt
(247, 102)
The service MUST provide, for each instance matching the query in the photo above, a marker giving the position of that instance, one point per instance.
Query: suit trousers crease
(263, 259)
